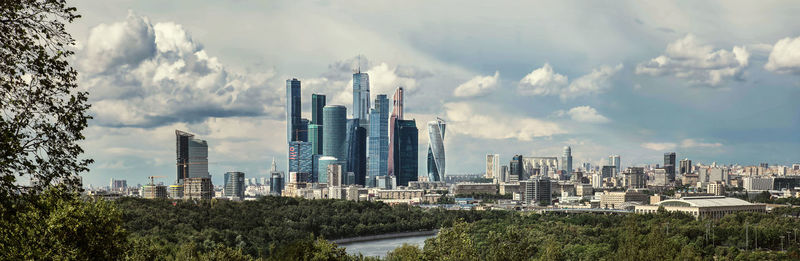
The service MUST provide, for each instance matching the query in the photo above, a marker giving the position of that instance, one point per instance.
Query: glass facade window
(300, 157)
(407, 152)
(334, 131)
(378, 140)
(356, 143)
(436, 155)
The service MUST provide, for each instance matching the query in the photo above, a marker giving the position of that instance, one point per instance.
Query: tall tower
(436, 158)
(669, 165)
(493, 168)
(293, 110)
(378, 139)
(397, 114)
(361, 97)
(192, 156)
(614, 160)
(406, 150)
(686, 166)
(334, 133)
(566, 160)
(315, 129)
(356, 143)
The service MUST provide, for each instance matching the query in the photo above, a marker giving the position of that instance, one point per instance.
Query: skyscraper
(234, 185)
(566, 160)
(397, 114)
(436, 156)
(378, 139)
(614, 160)
(406, 152)
(323, 164)
(300, 157)
(356, 143)
(515, 168)
(276, 180)
(669, 165)
(361, 97)
(335, 131)
(293, 110)
(493, 167)
(686, 166)
(192, 156)
(315, 128)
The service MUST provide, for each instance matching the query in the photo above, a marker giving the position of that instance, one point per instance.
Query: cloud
(659, 146)
(544, 81)
(146, 75)
(478, 86)
(785, 56)
(586, 114)
(689, 59)
(691, 143)
(463, 119)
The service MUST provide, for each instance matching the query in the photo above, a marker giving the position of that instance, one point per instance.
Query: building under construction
(198, 188)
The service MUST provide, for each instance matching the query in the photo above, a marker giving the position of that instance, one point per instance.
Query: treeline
(664, 236)
(266, 226)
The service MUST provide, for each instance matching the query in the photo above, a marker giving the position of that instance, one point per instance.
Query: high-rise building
(198, 188)
(493, 167)
(685, 166)
(293, 109)
(356, 143)
(317, 103)
(614, 160)
(634, 178)
(361, 98)
(334, 173)
(516, 168)
(301, 132)
(406, 152)
(315, 138)
(669, 165)
(276, 180)
(397, 114)
(503, 173)
(335, 132)
(566, 160)
(378, 139)
(300, 157)
(118, 184)
(537, 190)
(323, 164)
(608, 171)
(315, 127)
(436, 156)
(234, 185)
(192, 156)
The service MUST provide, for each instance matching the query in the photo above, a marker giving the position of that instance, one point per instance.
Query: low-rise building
(617, 199)
(714, 207)
(466, 188)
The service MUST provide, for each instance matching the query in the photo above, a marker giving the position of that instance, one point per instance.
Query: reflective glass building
(334, 131)
(192, 156)
(234, 185)
(293, 109)
(356, 143)
(406, 152)
(378, 140)
(361, 97)
(300, 157)
(436, 158)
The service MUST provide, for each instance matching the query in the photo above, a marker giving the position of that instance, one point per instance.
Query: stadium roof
(713, 201)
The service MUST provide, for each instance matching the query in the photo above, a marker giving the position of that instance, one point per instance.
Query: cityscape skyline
(556, 92)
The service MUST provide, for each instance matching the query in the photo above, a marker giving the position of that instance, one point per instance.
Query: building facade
(669, 165)
(234, 185)
(198, 188)
(614, 160)
(293, 108)
(706, 207)
(397, 114)
(335, 131)
(192, 156)
(378, 140)
(493, 167)
(407, 152)
(685, 166)
(566, 160)
(356, 143)
(361, 98)
(300, 156)
(537, 190)
(436, 154)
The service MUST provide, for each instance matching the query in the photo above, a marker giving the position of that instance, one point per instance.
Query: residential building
(685, 166)
(493, 167)
(467, 188)
(537, 190)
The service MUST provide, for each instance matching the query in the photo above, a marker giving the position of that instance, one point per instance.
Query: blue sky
(712, 81)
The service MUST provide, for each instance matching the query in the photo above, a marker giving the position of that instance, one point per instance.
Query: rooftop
(707, 201)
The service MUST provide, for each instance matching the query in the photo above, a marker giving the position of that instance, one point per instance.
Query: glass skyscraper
(322, 167)
(614, 160)
(315, 127)
(378, 139)
(406, 152)
(669, 165)
(361, 97)
(566, 160)
(234, 185)
(293, 110)
(334, 133)
(300, 157)
(436, 158)
(192, 156)
(356, 143)
(397, 114)
(315, 138)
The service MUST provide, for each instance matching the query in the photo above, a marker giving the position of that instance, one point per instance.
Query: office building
(315, 138)
(192, 156)
(436, 156)
(335, 131)
(493, 167)
(406, 152)
(118, 184)
(504, 176)
(378, 140)
(516, 168)
(276, 180)
(614, 160)
(537, 190)
(322, 166)
(608, 171)
(397, 114)
(669, 165)
(566, 160)
(634, 178)
(356, 143)
(705, 207)
(234, 185)
(293, 109)
(685, 166)
(300, 157)
(622, 199)
(361, 98)
(198, 188)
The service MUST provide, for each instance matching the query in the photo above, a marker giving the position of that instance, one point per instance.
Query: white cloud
(463, 119)
(785, 56)
(478, 86)
(147, 75)
(689, 59)
(659, 146)
(586, 114)
(691, 143)
(592, 83)
(544, 81)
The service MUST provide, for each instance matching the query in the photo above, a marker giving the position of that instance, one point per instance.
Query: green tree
(405, 252)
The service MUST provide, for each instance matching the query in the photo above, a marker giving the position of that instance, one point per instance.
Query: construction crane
(154, 177)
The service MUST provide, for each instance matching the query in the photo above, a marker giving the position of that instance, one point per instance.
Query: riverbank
(385, 236)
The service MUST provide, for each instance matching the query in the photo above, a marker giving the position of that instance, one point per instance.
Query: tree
(42, 113)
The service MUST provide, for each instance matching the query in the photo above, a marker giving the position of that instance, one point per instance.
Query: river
(379, 247)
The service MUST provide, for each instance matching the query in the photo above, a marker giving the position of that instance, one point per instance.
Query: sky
(713, 81)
